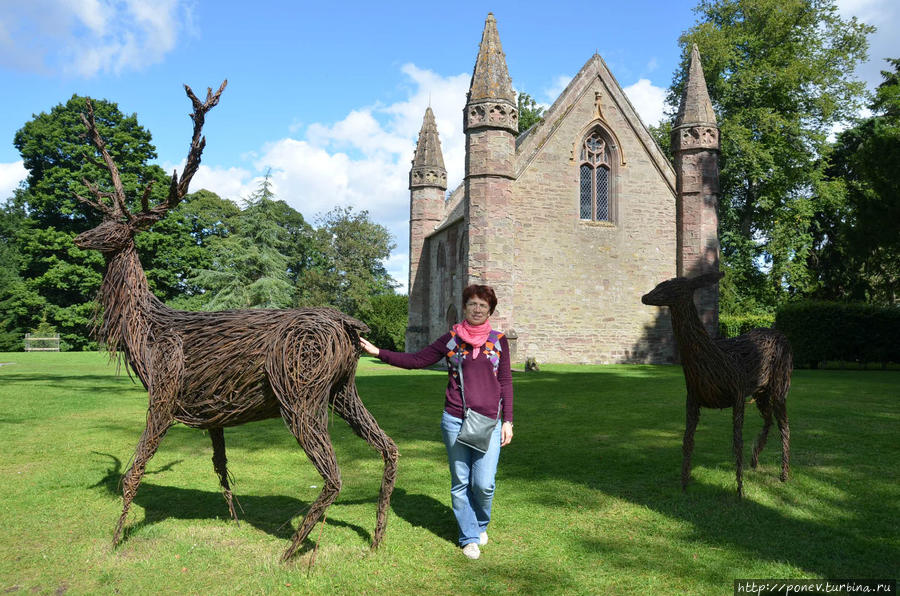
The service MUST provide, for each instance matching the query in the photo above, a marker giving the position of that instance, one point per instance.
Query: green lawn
(588, 498)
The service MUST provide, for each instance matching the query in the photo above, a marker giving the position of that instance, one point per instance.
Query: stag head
(119, 224)
(679, 289)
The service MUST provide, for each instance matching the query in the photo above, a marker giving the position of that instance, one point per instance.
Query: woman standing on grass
(481, 354)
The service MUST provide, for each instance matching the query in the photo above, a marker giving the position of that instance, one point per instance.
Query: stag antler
(118, 195)
(177, 188)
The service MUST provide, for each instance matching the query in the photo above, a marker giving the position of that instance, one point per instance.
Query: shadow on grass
(270, 514)
(617, 431)
(626, 442)
(425, 512)
(95, 383)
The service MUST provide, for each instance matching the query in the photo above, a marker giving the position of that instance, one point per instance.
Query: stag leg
(765, 409)
(166, 367)
(737, 417)
(687, 446)
(781, 416)
(158, 421)
(312, 435)
(220, 464)
(350, 407)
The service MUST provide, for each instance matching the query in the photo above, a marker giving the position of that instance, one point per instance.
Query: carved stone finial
(695, 125)
(491, 99)
(490, 79)
(428, 163)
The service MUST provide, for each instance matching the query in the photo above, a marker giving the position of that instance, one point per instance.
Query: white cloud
(648, 100)
(11, 174)
(87, 37)
(559, 85)
(361, 161)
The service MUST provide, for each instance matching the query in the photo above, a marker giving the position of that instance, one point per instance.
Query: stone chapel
(571, 222)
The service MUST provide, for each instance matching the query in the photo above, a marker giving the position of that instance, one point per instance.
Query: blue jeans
(471, 480)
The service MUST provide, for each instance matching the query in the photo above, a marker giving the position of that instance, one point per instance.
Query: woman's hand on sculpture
(367, 347)
(506, 433)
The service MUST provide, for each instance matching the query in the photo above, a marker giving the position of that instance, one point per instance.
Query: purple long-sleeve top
(484, 390)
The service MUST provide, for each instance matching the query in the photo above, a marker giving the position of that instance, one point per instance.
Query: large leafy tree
(779, 74)
(347, 267)
(54, 274)
(858, 245)
(56, 281)
(256, 263)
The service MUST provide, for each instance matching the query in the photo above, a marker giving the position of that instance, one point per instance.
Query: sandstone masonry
(569, 281)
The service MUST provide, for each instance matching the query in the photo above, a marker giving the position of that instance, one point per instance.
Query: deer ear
(706, 279)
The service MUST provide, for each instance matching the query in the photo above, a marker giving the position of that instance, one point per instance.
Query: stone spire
(427, 183)
(490, 79)
(695, 108)
(491, 100)
(491, 121)
(695, 146)
(428, 164)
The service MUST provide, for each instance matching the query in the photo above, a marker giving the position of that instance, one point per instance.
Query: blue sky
(330, 96)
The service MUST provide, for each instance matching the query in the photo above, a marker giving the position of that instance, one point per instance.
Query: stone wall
(578, 283)
(446, 261)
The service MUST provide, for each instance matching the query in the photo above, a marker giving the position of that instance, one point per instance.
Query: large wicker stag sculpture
(210, 370)
(721, 373)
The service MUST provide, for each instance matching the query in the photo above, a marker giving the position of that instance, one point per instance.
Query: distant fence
(41, 344)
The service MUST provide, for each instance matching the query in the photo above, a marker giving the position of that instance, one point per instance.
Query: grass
(588, 498)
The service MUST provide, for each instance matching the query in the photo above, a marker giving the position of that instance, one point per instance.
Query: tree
(18, 305)
(249, 266)
(180, 245)
(347, 269)
(779, 74)
(530, 113)
(857, 245)
(388, 320)
(58, 157)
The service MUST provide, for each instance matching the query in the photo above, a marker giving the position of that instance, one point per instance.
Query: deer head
(119, 224)
(679, 289)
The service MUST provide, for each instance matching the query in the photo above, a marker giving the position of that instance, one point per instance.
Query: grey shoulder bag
(476, 428)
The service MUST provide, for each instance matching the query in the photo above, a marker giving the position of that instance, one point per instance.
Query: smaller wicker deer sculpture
(721, 373)
(210, 370)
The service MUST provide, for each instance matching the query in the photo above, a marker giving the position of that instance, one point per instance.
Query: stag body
(216, 369)
(721, 373)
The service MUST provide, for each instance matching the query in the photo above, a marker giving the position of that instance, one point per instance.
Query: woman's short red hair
(485, 293)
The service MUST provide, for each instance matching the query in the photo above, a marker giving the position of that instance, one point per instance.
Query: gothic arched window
(595, 162)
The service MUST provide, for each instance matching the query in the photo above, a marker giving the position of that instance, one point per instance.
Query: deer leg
(737, 416)
(220, 464)
(158, 421)
(765, 410)
(166, 365)
(687, 446)
(781, 416)
(350, 407)
(312, 435)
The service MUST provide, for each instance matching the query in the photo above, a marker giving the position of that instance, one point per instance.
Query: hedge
(734, 325)
(823, 331)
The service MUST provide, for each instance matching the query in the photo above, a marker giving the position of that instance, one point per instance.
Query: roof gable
(529, 144)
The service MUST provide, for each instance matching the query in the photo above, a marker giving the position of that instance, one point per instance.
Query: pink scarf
(474, 335)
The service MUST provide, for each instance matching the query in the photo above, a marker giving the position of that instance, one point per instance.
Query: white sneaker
(472, 551)
(482, 538)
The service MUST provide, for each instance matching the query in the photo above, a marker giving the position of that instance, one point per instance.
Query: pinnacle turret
(696, 108)
(490, 79)
(428, 163)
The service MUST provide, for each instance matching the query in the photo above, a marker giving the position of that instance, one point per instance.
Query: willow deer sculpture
(210, 370)
(721, 373)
